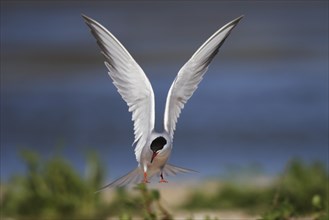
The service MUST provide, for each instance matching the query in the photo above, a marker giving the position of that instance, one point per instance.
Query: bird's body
(153, 149)
(159, 161)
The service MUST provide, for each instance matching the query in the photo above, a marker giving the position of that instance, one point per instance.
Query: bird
(152, 148)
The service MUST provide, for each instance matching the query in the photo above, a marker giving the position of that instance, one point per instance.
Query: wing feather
(130, 81)
(191, 74)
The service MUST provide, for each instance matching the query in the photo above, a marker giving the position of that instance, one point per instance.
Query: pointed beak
(153, 156)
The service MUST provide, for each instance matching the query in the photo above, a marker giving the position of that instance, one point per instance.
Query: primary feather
(130, 80)
(191, 74)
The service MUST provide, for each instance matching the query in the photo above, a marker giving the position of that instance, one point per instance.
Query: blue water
(263, 101)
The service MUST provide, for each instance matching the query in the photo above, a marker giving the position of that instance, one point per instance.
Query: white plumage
(153, 149)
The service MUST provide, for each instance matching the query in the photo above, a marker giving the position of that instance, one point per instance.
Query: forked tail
(136, 176)
(172, 170)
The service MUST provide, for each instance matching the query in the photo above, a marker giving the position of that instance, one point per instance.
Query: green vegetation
(301, 190)
(146, 203)
(52, 189)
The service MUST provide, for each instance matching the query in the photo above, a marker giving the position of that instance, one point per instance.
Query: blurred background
(262, 103)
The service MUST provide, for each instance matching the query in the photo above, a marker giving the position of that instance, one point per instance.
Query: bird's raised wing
(130, 80)
(190, 75)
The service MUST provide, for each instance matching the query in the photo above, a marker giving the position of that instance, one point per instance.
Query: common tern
(152, 149)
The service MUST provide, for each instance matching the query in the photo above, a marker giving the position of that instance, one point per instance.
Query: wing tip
(235, 21)
(91, 22)
(240, 17)
(86, 18)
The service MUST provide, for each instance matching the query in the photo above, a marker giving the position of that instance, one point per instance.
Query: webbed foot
(162, 180)
(145, 178)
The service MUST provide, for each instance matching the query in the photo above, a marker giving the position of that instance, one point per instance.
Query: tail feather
(133, 176)
(172, 170)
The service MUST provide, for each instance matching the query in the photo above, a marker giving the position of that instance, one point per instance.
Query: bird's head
(157, 146)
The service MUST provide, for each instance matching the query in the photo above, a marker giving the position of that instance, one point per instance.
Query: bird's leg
(162, 180)
(145, 178)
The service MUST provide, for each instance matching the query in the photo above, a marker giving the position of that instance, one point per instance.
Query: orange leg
(162, 180)
(145, 178)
